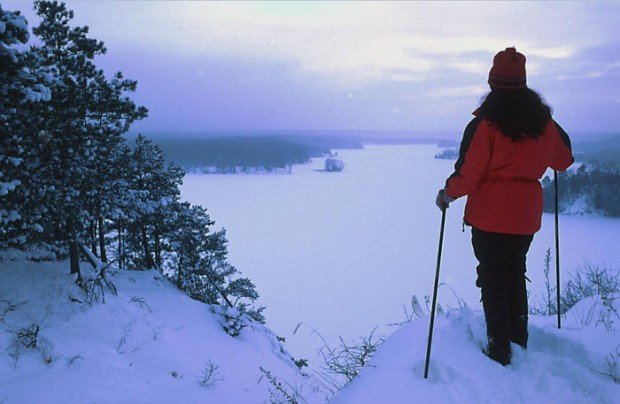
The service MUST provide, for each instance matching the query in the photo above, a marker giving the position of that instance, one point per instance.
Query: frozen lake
(342, 253)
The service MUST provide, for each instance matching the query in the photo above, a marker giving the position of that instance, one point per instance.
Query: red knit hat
(508, 71)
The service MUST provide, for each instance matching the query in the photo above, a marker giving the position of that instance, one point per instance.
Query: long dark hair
(516, 113)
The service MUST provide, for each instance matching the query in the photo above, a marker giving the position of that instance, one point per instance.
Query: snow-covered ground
(151, 343)
(344, 252)
(339, 252)
(572, 365)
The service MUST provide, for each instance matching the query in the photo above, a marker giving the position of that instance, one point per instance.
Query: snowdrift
(150, 343)
(571, 365)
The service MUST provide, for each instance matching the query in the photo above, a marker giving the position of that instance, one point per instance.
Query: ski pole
(434, 304)
(557, 247)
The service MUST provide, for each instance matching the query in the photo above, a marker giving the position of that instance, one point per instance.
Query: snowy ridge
(150, 343)
(564, 366)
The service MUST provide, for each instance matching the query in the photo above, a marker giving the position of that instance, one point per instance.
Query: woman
(505, 150)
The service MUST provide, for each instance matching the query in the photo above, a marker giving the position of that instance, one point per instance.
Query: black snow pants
(501, 278)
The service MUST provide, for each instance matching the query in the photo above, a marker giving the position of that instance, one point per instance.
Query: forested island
(447, 154)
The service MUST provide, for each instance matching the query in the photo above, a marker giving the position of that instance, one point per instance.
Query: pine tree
(114, 113)
(68, 176)
(598, 185)
(84, 121)
(200, 266)
(68, 154)
(21, 89)
(155, 185)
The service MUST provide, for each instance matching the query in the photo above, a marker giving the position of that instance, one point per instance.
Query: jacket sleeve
(474, 156)
(562, 150)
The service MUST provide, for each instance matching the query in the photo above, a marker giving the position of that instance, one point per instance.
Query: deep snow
(560, 366)
(150, 343)
(344, 252)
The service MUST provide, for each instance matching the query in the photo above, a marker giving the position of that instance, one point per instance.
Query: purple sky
(357, 65)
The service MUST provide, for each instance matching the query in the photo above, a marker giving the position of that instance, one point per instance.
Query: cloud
(356, 43)
(293, 64)
(459, 91)
(557, 52)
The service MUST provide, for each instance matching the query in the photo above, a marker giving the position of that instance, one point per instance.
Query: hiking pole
(433, 306)
(557, 247)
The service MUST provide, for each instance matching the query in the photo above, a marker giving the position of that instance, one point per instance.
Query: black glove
(443, 201)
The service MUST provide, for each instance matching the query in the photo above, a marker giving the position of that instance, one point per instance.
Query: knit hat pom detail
(508, 71)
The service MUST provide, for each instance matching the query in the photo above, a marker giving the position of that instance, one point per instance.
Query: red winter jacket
(501, 176)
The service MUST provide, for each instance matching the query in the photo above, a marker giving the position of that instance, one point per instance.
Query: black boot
(519, 334)
(497, 314)
(518, 307)
(500, 354)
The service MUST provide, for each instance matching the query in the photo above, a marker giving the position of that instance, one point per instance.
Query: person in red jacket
(505, 151)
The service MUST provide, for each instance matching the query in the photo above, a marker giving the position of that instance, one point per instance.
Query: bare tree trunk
(100, 224)
(93, 239)
(74, 258)
(147, 253)
(74, 252)
(121, 257)
(179, 273)
(157, 248)
(59, 231)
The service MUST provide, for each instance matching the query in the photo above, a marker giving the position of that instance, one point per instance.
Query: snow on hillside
(560, 366)
(150, 343)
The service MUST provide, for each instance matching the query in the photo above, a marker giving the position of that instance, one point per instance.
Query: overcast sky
(417, 66)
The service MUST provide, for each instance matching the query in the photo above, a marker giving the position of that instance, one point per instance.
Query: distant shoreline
(360, 136)
(255, 154)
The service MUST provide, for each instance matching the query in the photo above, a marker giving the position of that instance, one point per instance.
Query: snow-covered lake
(342, 253)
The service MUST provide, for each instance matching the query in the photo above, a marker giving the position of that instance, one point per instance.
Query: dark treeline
(328, 141)
(597, 185)
(71, 183)
(225, 154)
(264, 150)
